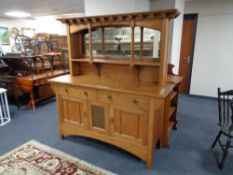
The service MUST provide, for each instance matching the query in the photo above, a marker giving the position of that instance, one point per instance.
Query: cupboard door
(129, 124)
(98, 117)
(75, 111)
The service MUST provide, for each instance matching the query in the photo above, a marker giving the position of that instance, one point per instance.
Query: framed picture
(4, 36)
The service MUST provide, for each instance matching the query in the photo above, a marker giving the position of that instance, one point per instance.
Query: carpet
(34, 158)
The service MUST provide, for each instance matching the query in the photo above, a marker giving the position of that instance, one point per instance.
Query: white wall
(213, 54)
(49, 24)
(177, 36)
(103, 7)
(175, 31)
(42, 25)
(162, 4)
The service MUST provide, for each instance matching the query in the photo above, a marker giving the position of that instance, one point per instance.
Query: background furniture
(9, 82)
(38, 58)
(225, 109)
(124, 98)
(4, 108)
(29, 74)
(3, 68)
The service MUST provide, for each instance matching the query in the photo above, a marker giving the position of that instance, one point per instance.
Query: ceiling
(42, 7)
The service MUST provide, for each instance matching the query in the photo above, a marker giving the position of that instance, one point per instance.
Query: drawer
(79, 92)
(123, 99)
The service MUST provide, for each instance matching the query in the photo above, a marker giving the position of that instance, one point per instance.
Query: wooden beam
(163, 51)
(170, 13)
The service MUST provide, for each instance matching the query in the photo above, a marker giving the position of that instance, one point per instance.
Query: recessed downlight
(18, 14)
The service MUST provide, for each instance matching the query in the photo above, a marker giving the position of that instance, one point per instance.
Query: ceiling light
(18, 14)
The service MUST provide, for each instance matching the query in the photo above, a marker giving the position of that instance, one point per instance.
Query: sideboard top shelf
(168, 13)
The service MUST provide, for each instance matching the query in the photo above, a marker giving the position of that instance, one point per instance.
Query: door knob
(188, 59)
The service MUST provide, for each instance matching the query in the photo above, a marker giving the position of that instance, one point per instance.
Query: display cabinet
(118, 90)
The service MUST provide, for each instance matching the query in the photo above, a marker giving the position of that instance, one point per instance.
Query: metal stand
(4, 108)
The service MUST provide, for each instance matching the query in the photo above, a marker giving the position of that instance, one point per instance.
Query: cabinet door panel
(117, 121)
(74, 111)
(128, 125)
(98, 117)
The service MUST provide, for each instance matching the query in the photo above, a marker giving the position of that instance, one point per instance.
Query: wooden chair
(225, 108)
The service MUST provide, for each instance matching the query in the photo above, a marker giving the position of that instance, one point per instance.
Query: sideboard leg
(149, 164)
(62, 136)
(166, 143)
(158, 145)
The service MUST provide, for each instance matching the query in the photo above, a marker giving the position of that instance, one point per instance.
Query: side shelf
(170, 117)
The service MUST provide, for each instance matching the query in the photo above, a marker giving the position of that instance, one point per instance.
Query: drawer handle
(111, 120)
(67, 90)
(110, 97)
(135, 101)
(85, 93)
(85, 114)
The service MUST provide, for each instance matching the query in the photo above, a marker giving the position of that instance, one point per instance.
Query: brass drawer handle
(135, 101)
(85, 114)
(110, 97)
(85, 93)
(111, 120)
(66, 90)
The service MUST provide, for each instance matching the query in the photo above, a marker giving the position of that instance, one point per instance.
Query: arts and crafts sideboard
(118, 90)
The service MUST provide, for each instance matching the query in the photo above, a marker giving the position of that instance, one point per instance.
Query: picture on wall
(4, 36)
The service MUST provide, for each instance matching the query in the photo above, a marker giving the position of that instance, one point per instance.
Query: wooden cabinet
(13, 91)
(124, 99)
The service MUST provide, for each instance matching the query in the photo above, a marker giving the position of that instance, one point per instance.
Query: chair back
(225, 107)
(16, 64)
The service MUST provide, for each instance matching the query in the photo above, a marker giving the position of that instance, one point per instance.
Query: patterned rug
(34, 158)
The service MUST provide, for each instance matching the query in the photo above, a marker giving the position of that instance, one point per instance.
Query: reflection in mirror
(86, 44)
(109, 42)
(97, 42)
(151, 40)
(137, 42)
(116, 42)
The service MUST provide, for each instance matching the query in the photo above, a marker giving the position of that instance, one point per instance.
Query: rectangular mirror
(115, 42)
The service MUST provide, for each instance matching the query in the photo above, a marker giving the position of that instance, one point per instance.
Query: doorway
(187, 50)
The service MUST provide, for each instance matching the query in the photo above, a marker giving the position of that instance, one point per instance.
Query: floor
(189, 152)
